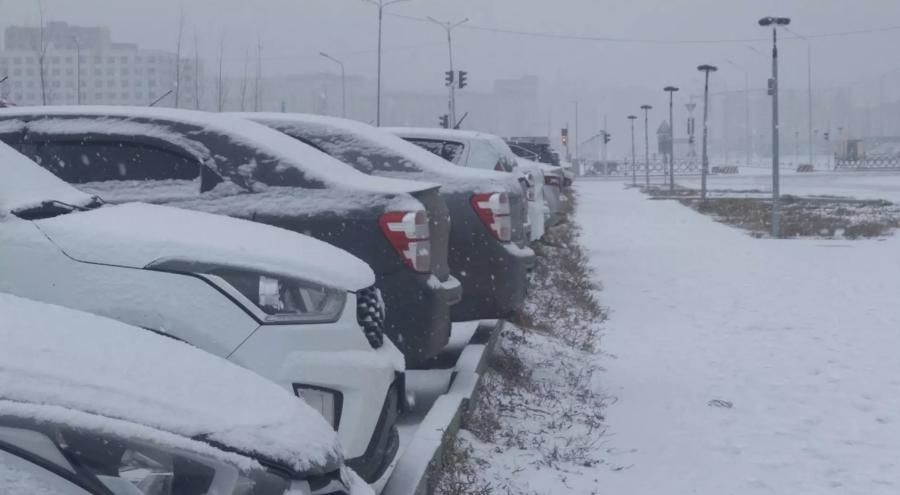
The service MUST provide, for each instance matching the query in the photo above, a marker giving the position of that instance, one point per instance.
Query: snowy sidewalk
(803, 337)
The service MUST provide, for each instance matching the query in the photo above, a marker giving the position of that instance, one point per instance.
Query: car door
(115, 166)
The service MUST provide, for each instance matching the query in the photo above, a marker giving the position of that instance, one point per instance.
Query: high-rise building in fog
(48, 66)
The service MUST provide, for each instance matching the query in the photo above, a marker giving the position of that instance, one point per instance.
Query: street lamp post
(747, 105)
(773, 90)
(646, 109)
(381, 4)
(633, 172)
(577, 156)
(671, 90)
(451, 104)
(343, 84)
(705, 165)
(78, 54)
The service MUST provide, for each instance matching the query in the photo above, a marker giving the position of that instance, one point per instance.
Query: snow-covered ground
(802, 337)
(860, 185)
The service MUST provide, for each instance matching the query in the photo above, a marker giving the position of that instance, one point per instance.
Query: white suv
(291, 308)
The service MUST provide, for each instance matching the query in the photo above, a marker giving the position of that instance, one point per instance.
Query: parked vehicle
(231, 166)
(474, 150)
(538, 212)
(534, 148)
(481, 255)
(554, 178)
(89, 405)
(293, 309)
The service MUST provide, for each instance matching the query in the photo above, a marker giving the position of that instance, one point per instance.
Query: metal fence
(885, 162)
(657, 167)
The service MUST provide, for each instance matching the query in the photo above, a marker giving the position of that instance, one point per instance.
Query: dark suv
(483, 256)
(231, 166)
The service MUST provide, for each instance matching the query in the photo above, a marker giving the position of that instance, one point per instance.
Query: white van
(281, 304)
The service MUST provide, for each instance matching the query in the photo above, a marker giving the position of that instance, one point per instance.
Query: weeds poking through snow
(541, 408)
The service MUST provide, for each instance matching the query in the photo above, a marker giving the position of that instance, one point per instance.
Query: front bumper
(418, 313)
(386, 441)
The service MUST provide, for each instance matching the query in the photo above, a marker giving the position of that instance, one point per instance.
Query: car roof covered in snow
(425, 160)
(311, 161)
(435, 132)
(23, 184)
(82, 370)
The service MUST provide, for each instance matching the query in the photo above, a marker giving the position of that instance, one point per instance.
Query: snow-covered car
(230, 166)
(538, 212)
(475, 150)
(554, 177)
(491, 268)
(89, 405)
(291, 308)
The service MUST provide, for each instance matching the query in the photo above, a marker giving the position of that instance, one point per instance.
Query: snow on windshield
(24, 184)
(52, 356)
(315, 164)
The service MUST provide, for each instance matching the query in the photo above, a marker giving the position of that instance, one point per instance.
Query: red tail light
(551, 180)
(531, 185)
(499, 167)
(409, 234)
(493, 209)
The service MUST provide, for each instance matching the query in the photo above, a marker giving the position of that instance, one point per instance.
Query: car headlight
(282, 299)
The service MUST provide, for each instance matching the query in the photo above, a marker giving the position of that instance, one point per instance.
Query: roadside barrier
(724, 170)
(806, 168)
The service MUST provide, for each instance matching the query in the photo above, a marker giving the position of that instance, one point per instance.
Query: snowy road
(803, 337)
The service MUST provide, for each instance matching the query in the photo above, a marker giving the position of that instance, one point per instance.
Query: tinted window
(448, 150)
(120, 171)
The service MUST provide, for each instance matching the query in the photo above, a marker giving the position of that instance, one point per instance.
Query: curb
(420, 466)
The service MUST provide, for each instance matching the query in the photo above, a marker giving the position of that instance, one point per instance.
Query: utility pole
(343, 84)
(671, 90)
(646, 109)
(449, 27)
(605, 140)
(577, 156)
(381, 4)
(633, 166)
(773, 91)
(705, 165)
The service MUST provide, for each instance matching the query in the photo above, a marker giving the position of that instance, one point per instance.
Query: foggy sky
(293, 32)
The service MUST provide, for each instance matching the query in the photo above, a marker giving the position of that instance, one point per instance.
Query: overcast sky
(293, 32)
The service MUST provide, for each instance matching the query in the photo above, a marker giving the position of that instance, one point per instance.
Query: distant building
(76, 57)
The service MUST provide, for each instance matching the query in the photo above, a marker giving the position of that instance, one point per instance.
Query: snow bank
(136, 234)
(24, 184)
(76, 366)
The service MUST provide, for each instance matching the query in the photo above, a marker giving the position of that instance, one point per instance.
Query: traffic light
(771, 86)
(607, 137)
(691, 139)
(445, 121)
(827, 135)
(462, 79)
(565, 140)
(449, 77)
(565, 135)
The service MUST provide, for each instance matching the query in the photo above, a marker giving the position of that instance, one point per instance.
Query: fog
(647, 47)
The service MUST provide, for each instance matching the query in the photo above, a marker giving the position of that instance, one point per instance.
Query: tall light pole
(451, 104)
(808, 89)
(343, 84)
(671, 90)
(646, 109)
(78, 52)
(633, 172)
(577, 156)
(747, 105)
(381, 4)
(773, 91)
(705, 165)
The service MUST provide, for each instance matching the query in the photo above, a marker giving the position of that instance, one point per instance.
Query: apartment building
(83, 65)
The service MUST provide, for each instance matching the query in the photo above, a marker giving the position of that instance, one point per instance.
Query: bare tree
(245, 80)
(5, 87)
(199, 80)
(40, 52)
(178, 76)
(222, 84)
(257, 89)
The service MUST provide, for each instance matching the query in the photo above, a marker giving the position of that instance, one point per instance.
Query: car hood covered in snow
(289, 151)
(86, 371)
(23, 184)
(135, 235)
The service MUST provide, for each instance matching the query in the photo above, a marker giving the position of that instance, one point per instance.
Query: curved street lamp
(774, 22)
(343, 84)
